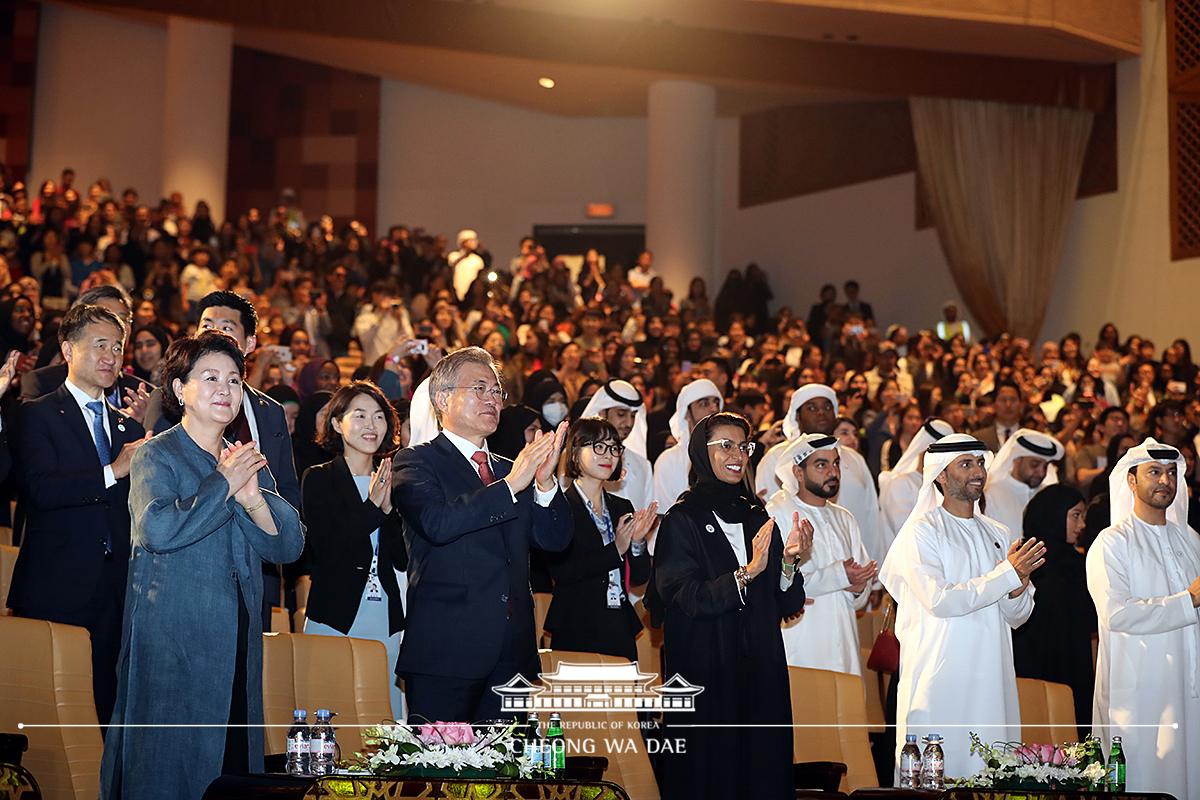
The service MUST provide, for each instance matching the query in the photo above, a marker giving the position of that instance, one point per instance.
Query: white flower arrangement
(398, 749)
(1012, 765)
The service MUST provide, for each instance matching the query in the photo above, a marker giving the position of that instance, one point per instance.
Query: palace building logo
(599, 688)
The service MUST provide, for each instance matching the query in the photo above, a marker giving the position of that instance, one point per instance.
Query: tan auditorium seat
(541, 607)
(8, 560)
(820, 697)
(347, 676)
(46, 678)
(628, 768)
(1044, 703)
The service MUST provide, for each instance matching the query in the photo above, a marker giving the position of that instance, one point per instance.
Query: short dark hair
(1007, 384)
(331, 440)
(78, 317)
(106, 291)
(1108, 412)
(850, 284)
(589, 431)
(181, 359)
(223, 299)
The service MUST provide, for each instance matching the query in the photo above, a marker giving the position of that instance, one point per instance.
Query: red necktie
(485, 471)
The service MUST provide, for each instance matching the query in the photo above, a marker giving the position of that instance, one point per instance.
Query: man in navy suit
(75, 450)
(469, 521)
(260, 419)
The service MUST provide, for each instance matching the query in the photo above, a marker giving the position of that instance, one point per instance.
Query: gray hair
(106, 291)
(445, 375)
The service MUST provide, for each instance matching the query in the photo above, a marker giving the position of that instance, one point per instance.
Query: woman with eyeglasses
(726, 579)
(591, 611)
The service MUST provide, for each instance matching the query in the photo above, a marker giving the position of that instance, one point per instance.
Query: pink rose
(446, 733)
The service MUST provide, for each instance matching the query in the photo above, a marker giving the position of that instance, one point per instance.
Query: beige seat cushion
(835, 699)
(1044, 703)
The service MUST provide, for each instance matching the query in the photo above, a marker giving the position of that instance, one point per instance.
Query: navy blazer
(468, 562)
(72, 516)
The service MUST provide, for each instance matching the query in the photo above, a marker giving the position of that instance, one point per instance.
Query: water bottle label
(297, 746)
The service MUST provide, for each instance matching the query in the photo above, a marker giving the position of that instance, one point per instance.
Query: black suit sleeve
(5, 457)
(51, 482)
(585, 558)
(284, 466)
(680, 576)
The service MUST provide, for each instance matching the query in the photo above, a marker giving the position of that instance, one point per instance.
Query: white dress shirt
(82, 398)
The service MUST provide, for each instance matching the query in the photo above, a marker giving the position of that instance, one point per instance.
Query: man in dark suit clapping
(74, 453)
(469, 521)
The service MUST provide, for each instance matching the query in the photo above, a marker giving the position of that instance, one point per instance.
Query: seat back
(347, 676)
(8, 560)
(821, 697)
(46, 679)
(1046, 704)
(649, 645)
(628, 764)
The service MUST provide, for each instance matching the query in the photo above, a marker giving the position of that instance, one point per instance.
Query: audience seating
(870, 623)
(347, 676)
(1046, 703)
(5, 535)
(281, 621)
(631, 770)
(46, 678)
(820, 697)
(541, 607)
(649, 646)
(303, 587)
(8, 560)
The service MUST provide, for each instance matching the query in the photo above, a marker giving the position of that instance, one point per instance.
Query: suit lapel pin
(710, 529)
(121, 427)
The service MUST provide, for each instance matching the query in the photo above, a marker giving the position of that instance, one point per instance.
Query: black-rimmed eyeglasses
(608, 448)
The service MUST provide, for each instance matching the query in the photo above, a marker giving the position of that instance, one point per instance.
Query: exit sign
(600, 211)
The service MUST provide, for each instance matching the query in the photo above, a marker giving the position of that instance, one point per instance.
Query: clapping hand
(859, 575)
(545, 474)
(635, 527)
(1025, 556)
(761, 549)
(136, 403)
(380, 492)
(532, 458)
(240, 464)
(799, 539)
(8, 371)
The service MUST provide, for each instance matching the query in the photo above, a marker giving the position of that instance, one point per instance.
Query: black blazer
(71, 515)
(579, 617)
(339, 541)
(468, 562)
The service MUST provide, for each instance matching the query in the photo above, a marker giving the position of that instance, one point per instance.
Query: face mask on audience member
(554, 413)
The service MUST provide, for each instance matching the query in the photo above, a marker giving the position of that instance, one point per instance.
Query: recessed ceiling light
(546, 83)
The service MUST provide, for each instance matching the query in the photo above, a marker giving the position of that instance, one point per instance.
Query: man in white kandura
(1023, 466)
(621, 404)
(696, 401)
(1143, 573)
(837, 570)
(814, 409)
(899, 486)
(961, 583)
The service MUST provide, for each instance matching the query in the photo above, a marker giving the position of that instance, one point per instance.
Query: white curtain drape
(1000, 181)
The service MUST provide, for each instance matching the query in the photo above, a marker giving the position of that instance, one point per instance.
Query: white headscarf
(696, 390)
(791, 427)
(931, 431)
(422, 421)
(622, 394)
(1121, 496)
(797, 452)
(938, 456)
(1027, 442)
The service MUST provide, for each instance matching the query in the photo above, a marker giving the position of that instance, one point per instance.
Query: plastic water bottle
(933, 764)
(322, 744)
(910, 763)
(298, 743)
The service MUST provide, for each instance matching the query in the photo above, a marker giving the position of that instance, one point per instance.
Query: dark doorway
(619, 243)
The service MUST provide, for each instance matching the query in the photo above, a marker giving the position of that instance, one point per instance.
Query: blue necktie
(101, 438)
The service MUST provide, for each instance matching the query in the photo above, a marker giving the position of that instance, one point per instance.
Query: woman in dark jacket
(354, 534)
(591, 612)
(725, 580)
(1055, 643)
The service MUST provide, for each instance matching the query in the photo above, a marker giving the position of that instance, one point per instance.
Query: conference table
(333, 787)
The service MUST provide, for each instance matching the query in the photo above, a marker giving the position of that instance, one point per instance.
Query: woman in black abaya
(1055, 644)
(725, 579)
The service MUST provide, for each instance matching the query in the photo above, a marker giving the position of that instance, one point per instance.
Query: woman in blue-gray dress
(205, 515)
(355, 538)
